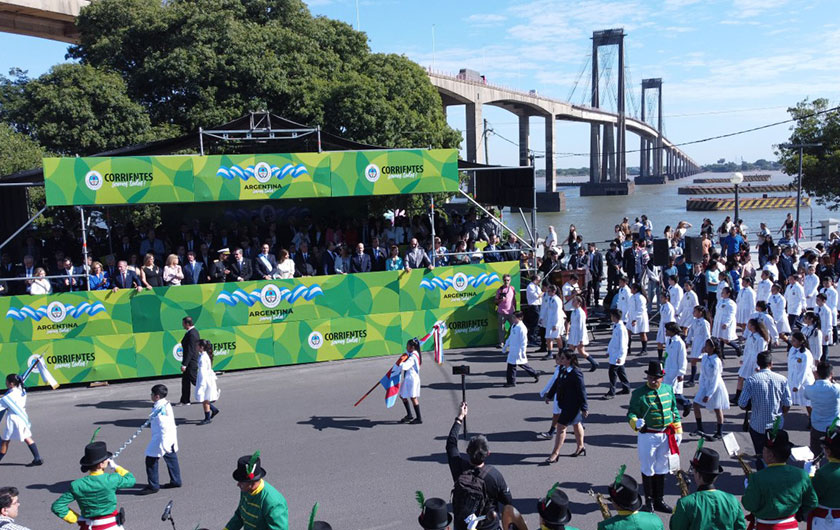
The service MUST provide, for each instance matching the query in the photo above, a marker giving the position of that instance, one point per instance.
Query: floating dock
(762, 203)
(725, 180)
(724, 190)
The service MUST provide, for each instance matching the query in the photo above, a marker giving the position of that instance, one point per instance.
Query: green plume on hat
(311, 515)
(421, 499)
(774, 431)
(700, 444)
(832, 428)
(620, 476)
(551, 492)
(92, 438)
(251, 468)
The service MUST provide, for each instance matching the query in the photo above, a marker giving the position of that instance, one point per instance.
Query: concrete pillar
(609, 171)
(621, 133)
(475, 131)
(550, 175)
(643, 158)
(595, 154)
(524, 140)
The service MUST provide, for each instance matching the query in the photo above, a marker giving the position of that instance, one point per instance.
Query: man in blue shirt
(824, 395)
(732, 243)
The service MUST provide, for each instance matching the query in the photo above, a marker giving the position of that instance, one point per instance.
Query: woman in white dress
(813, 333)
(764, 287)
(746, 302)
(778, 310)
(756, 340)
(724, 327)
(206, 390)
(676, 293)
(711, 392)
(666, 316)
(40, 285)
(800, 370)
(16, 422)
(409, 364)
(285, 265)
(578, 334)
(676, 364)
(637, 314)
(685, 311)
(698, 333)
(553, 319)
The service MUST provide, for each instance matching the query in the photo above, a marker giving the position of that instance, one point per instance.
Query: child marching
(676, 362)
(746, 302)
(164, 442)
(638, 316)
(724, 327)
(757, 340)
(800, 370)
(617, 353)
(578, 334)
(711, 392)
(16, 424)
(206, 389)
(409, 365)
(778, 309)
(698, 333)
(685, 311)
(666, 316)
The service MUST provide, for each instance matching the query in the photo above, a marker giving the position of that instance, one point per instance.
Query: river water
(596, 217)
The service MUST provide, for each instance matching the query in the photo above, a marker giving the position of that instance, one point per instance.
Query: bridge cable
(580, 75)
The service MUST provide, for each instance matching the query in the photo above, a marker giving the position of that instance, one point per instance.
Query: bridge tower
(608, 142)
(650, 160)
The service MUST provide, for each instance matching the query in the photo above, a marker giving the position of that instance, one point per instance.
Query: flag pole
(367, 394)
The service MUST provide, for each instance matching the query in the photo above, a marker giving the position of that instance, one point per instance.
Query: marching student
(666, 316)
(831, 300)
(516, 346)
(578, 335)
(811, 287)
(409, 364)
(685, 311)
(164, 442)
(724, 326)
(617, 353)
(761, 315)
(206, 389)
(16, 424)
(800, 370)
(826, 318)
(778, 309)
(699, 331)
(711, 392)
(676, 293)
(553, 319)
(756, 341)
(638, 316)
(813, 334)
(795, 299)
(676, 362)
(764, 287)
(746, 302)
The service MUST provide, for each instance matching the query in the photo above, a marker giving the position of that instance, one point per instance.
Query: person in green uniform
(96, 493)
(707, 507)
(779, 495)
(261, 507)
(554, 510)
(827, 484)
(655, 415)
(624, 493)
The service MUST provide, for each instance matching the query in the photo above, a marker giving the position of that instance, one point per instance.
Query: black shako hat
(95, 453)
(321, 525)
(707, 461)
(248, 468)
(655, 369)
(434, 516)
(625, 493)
(777, 438)
(832, 438)
(554, 509)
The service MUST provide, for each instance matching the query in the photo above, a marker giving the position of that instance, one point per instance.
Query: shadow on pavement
(135, 422)
(345, 423)
(58, 487)
(612, 440)
(122, 404)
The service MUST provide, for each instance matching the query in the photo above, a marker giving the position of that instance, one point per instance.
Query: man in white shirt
(795, 298)
(533, 295)
(831, 300)
(811, 285)
(516, 347)
(617, 353)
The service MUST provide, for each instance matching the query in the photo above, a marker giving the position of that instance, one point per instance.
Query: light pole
(799, 184)
(737, 178)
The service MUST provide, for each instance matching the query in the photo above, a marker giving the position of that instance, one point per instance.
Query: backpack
(469, 495)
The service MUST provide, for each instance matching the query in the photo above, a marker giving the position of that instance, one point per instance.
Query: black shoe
(537, 378)
(540, 350)
(717, 436)
(508, 385)
(36, 462)
(547, 357)
(170, 486)
(415, 421)
(205, 422)
(214, 413)
(581, 452)
(687, 410)
(660, 505)
(648, 506)
(407, 419)
(148, 490)
(624, 392)
(608, 395)
(689, 383)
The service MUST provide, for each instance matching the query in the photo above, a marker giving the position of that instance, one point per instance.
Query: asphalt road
(358, 463)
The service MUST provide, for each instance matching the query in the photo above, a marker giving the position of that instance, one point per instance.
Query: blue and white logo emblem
(93, 180)
(262, 172)
(56, 312)
(316, 340)
(270, 296)
(178, 352)
(372, 172)
(460, 281)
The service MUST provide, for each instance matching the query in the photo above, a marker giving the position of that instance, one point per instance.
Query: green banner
(463, 327)
(260, 177)
(74, 360)
(383, 172)
(118, 180)
(68, 315)
(461, 286)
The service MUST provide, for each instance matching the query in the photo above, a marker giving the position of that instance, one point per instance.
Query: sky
(726, 65)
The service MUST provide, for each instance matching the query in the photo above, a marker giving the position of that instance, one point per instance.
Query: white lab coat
(206, 388)
(762, 290)
(619, 342)
(711, 384)
(725, 316)
(778, 306)
(623, 303)
(831, 301)
(685, 311)
(516, 344)
(552, 317)
(698, 333)
(768, 322)
(795, 299)
(800, 374)
(745, 305)
(577, 328)
(568, 290)
(753, 345)
(14, 426)
(676, 363)
(410, 385)
(826, 324)
(164, 436)
(638, 314)
(676, 293)
(811, 287)
(666, 314)
(814, 336)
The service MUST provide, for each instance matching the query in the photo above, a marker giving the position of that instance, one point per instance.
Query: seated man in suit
(70, 283)
(328, 259)
(305, 263)
(220, 269)
(266, 264)
(194, 271)
(378, 255)
(240, 267)
(125, 279)
(360, 262)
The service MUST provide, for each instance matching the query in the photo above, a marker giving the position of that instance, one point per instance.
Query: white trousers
(653, 453)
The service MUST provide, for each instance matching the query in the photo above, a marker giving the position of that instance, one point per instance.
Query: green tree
(18, 152)
(815, 122)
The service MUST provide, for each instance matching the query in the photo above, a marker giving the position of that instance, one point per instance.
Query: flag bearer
(409, 364)
(16, 424)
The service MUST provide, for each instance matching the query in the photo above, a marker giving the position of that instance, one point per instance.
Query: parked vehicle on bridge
(471, 75)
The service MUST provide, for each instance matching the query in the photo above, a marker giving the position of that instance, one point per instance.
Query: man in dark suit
(69, 282)
(305, 262)
(240, 267)
(596, 269)
(360, 262)
(125, 279)
(328, 259)
(189, 359)
(614, 263)
(219, 270)
(265, 265)
(194, 271)
(491, 251)
(378, 256)
(630, 261)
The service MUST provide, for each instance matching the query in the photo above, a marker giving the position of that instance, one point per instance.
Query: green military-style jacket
(265, 509)
(706, 509)
(657, 407)
(632, 521)
(827, 484)
(96, 494)
(779, 491)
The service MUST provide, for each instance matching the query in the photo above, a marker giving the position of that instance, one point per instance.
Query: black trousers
(532, 317)
(187, 380)
(593, 287)
(511, 372)
(758, 440)
(617, 372)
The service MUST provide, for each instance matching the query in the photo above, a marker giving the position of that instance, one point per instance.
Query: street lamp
(799, 184)
(736, 179)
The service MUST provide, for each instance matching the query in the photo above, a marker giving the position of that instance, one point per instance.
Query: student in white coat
(676, 293)
(409, 364)
(756, 340)
(16, 423)
(831, 300)
(206, 388)
(553, 319)
(800, 370)
(698, 333)
(666, 316)
(578, 334)
(746, 303)
(812, 330)
(623, 299)
(676, 364)
(761, 315)
(811, 287)
(823, 313)
(685, 311)
(795, 299)
(724, 327)
(164, 442)
(762, 290)
(638, 316)
(515, 347)
(617, 353)
(778, 310)
(711, 392)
